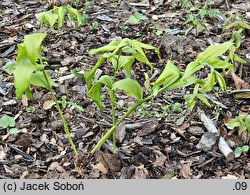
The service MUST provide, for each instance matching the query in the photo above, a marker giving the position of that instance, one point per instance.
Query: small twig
(206, 162)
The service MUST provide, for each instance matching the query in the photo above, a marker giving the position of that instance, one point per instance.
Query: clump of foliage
(28, 70)
(241, 150)
(242, 123)
(64, 103)
(123, 53)
(234, 27)
(9, 123)
(136, 18)
(197, 20)
(57, 15)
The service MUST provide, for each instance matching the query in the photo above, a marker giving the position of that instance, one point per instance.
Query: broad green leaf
(107, 48)
(170, 72)
(209, 83)
(106, 80)
(221, 64)
(60, 11)
(73, 13)
(28, 93)
(221, 81)
(32, 45)
(38, 79)
(191, 68)
(51, 19)
(95, 94)
(7, 121)
(128, 49)
(213, 51)
(130, 87)
(14, 131)
(140, 16)
(23, 71)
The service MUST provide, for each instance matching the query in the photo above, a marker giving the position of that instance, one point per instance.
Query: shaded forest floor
(161, 140)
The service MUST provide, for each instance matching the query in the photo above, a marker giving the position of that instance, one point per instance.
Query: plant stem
(113, 128)
(66, 128)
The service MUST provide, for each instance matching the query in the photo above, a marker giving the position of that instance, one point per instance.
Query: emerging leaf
(73, 13)
(170, 74)
(32, 44)
(60, 11)
(95, 94)
(221, 81)
(89, 75)
(51, 19)
(209, 83)
(123, 61)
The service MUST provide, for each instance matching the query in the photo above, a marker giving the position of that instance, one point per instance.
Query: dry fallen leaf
(185, 171)
(2, 153)
(100, 167)
(239, 83)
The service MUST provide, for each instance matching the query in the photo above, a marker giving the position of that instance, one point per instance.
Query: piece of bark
(225, 149)
(223, 146)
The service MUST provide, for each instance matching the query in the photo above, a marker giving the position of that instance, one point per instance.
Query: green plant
(241, 122)
(64, 103)
(197, 20)
(122, 54)
(57, 15)
(235, 26)
(241, 150)
(194, 22)
(208, 58)
(8, 123)
(31, 109)
(123, 27)
(28, 70)
(94, 25)
(136, 18)
(176, 107)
